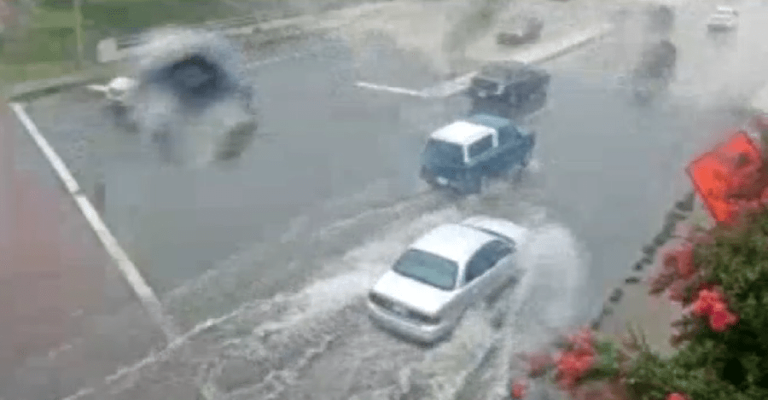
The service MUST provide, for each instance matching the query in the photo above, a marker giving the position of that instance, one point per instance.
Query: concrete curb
(31, 90)
(535, 55)
(681, 211)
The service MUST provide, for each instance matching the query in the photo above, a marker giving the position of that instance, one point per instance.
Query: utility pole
(79, 31)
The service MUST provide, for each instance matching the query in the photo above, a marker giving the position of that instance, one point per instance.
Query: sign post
(79, 31)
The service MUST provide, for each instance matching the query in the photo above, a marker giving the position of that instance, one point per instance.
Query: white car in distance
(117, 91)
(723, 19)
(119, 94)
(443, 273)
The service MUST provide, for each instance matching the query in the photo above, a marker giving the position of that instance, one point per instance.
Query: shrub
(720, 277)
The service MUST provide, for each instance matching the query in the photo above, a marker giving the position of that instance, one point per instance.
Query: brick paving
(67, 319)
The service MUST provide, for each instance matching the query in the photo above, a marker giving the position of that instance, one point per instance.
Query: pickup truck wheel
(526, 160)
(478, 184)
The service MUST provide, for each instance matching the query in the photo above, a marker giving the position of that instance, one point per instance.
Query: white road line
(449, 88)
(558, 48)
(391, 89)
(126, 267)
(275, 60)
(124, 264)
(535, 55)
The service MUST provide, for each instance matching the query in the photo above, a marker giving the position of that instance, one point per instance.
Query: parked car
(465, 154)
(509, 89)
(723, 19)
(520, 31)
(655, 70)
(445, 272)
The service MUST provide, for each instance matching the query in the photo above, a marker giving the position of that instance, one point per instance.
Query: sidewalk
(646, 314)
(67, 318)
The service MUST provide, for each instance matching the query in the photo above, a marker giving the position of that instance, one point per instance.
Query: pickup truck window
(443, 153)
(481, 146)
(508, 134)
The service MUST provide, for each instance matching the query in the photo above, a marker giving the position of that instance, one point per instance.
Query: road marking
(391, 89)
(126, 267)
(124, 264)
(536, 55)
(278, 59)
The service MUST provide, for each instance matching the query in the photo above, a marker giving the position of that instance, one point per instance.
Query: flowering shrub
(720, 277)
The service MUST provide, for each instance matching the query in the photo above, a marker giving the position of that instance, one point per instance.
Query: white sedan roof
(453, 241)
(461, 133)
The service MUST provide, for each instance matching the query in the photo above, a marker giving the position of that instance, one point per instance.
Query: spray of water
(317, 342)
(194, 104)
(548, 299)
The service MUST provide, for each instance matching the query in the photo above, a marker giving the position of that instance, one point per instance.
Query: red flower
(567, 383)
(704, 304)
(676, 291)
(539, 363)
(676, 396)
(572, 365)
(710, 303)
(680, 260)
(721, 319)
(582, 339)
(519, 389)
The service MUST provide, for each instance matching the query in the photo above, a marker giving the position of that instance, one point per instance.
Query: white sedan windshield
(427, 268)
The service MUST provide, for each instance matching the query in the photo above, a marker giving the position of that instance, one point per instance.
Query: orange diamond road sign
(714, 173)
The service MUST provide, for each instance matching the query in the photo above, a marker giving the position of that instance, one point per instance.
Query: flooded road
(267, 265)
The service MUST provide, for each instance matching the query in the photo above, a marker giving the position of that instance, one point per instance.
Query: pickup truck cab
(463, 155)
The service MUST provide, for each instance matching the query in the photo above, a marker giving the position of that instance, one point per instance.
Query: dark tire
(527, 159)
(478, 184)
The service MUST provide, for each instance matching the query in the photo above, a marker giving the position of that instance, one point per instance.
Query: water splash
(319, 341)
(194, 104)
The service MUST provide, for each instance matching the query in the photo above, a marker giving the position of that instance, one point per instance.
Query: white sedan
(723, 19)
(443, 273)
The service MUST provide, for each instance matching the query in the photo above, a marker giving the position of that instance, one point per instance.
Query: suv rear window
(443, 153)
(480, 147)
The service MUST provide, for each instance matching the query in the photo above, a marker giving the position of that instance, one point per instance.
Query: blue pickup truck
(464, 154)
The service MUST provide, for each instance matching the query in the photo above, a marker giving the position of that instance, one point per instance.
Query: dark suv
(655, 71)
(508, 89)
